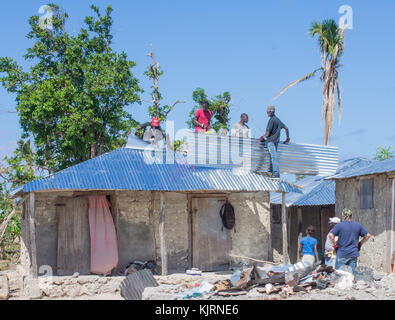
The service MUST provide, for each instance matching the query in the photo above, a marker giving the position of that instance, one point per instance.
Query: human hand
(287, 140)
(262, 139)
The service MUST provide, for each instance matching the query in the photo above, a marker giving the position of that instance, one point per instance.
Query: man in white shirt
(240, 129)
(330, 252)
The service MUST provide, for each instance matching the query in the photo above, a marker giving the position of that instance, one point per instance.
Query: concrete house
(370, 193)
(163, 209)
(314, 206)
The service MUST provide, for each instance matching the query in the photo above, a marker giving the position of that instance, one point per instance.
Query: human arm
(316, 252)
(300, 250)
(364, 239)
(287, 133)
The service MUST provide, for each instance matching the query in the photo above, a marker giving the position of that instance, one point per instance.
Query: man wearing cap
(330, 251)
(202, 118)
(272, 138)
(348, 242)
(152, 131)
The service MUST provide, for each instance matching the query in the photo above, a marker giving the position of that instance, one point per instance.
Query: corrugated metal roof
(373, 168)
(145, 169)
(316, 190)
(228, 152)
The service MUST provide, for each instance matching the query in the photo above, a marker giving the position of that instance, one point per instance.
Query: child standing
(308, 247)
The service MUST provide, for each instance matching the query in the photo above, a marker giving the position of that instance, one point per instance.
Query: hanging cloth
(104, 247)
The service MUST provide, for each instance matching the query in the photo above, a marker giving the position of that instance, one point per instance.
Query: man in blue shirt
(308, 247)
(348, 244)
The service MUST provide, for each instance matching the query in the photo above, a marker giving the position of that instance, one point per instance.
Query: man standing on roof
(330, 250)
(272, 138)
(348, 242)
(240, 129)
(202, 118)
(153, 133)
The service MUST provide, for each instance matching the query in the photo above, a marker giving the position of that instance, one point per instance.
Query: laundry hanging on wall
(104, 247)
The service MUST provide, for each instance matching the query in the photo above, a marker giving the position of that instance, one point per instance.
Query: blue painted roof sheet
(316, 190)
(375, 167)
(141, 169)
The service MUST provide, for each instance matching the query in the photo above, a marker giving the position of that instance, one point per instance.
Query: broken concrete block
(31, 288)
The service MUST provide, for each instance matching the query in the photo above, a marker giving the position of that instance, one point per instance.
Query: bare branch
(304, 78)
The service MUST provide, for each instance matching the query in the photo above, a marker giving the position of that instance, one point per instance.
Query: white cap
(334, 220)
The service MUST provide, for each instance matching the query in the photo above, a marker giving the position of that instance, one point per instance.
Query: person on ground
(308, 247)
(330, 251)
(348, 243)
(240, 129)
(272, 138)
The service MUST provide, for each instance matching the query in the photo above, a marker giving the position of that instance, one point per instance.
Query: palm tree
(331, 42)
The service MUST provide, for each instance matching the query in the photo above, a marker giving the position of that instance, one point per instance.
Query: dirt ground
(372, 286)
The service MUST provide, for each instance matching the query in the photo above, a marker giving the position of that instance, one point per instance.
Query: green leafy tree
(331, 43)
(71, 102)
(219, 106)
(383, 153)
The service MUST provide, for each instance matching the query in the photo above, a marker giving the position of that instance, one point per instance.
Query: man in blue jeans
(348, 244)
(272, 138)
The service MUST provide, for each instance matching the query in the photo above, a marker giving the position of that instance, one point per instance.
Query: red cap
(155, 122)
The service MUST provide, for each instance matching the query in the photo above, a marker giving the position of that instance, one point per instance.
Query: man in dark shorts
(272, 138)
(348, 244)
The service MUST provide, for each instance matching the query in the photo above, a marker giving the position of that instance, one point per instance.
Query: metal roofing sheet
(148, 169)
(316, 190)
(373, 168)
(225, 151)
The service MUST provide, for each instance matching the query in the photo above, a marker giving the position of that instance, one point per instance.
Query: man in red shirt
(202, 118)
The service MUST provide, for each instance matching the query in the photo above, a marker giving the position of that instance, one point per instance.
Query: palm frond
(304, 78)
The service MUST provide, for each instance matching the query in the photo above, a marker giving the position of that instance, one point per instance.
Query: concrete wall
(138, 237)
(374, 252)
(138, 230)
(252, 235)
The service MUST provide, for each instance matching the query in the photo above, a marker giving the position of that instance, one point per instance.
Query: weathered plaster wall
(373, 253)
(138, 236)
(138, 231)
(252, 235)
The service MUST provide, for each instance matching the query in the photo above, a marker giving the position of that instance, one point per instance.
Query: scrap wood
(252, 259)
(227, 293)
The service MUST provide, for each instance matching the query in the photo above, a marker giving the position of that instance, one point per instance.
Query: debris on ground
(137, 265)
(278, 282)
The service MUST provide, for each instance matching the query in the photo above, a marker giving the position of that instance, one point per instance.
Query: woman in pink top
(202, 118)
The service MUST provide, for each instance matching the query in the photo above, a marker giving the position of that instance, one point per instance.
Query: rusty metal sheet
(134, 284)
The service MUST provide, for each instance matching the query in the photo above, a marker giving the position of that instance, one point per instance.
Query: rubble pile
(293, 282)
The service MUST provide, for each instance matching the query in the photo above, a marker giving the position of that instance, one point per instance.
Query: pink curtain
(104, 247)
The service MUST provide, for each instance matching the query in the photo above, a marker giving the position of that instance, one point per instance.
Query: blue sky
(250, 48)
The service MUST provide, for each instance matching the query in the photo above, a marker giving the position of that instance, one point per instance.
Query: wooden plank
(32, 231)
(284, 228)
(151, 221)
(190, 230)
(162, 236)
(73, 236)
